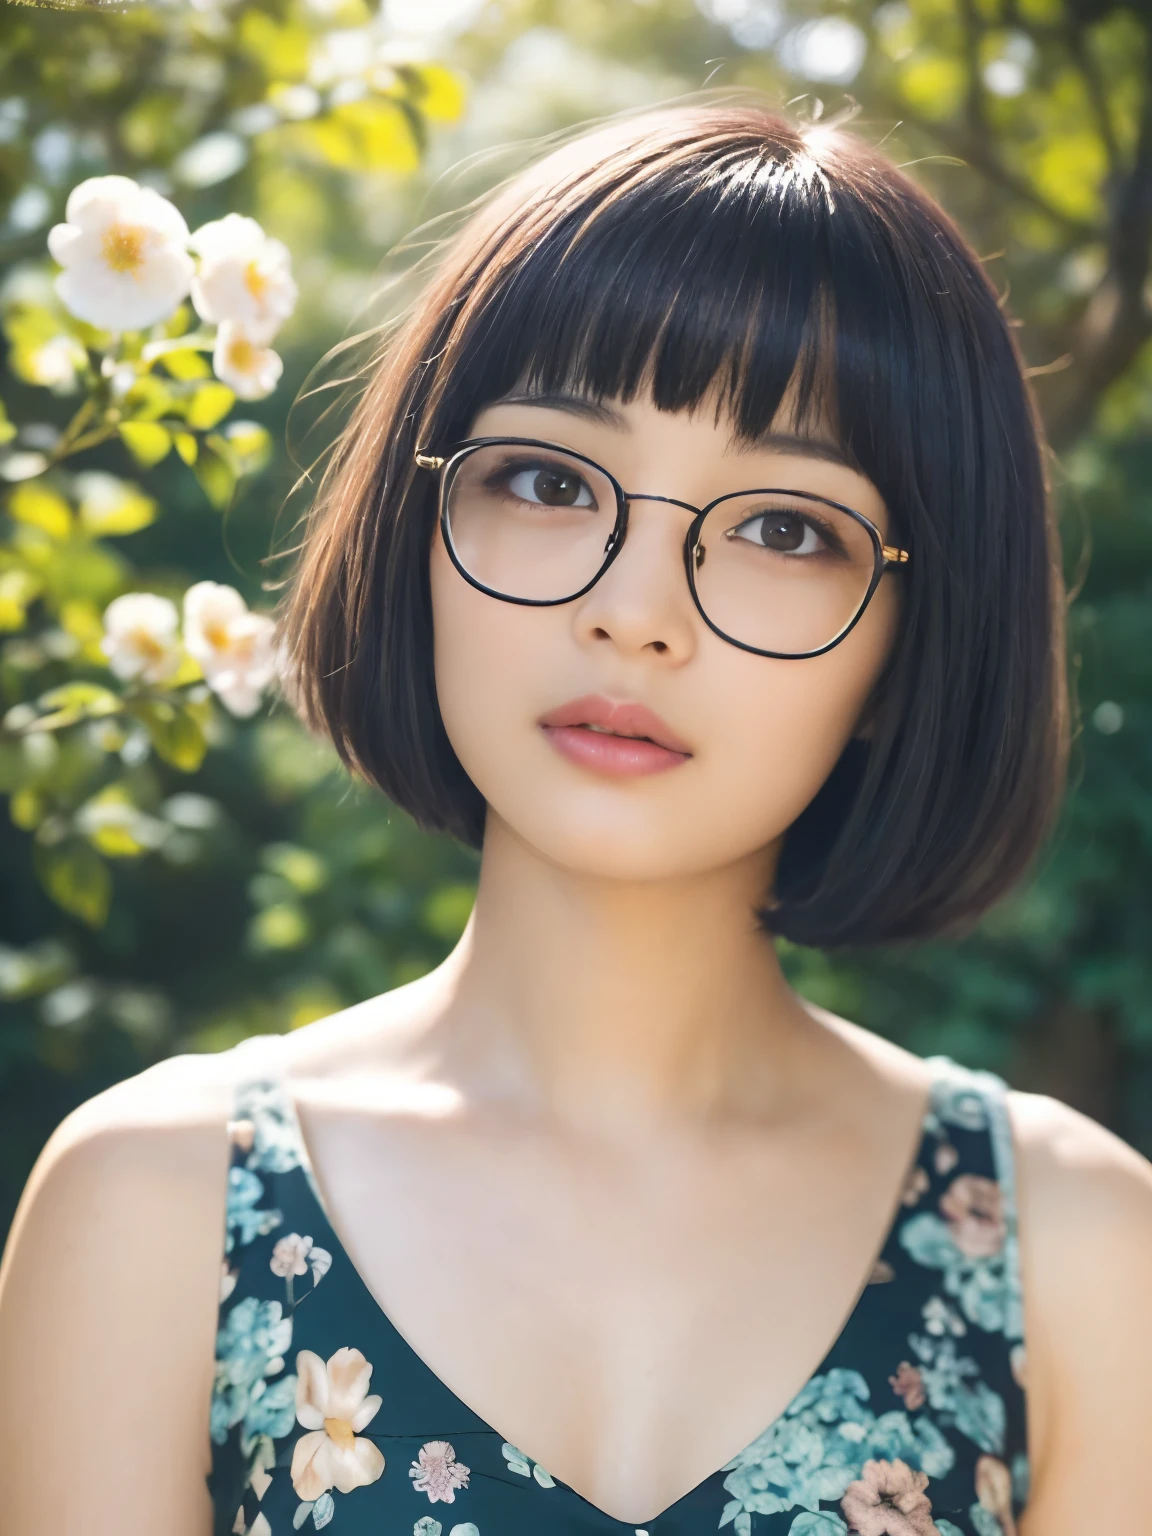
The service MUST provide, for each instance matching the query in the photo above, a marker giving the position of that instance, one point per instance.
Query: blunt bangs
(719, 256)
(696, 282)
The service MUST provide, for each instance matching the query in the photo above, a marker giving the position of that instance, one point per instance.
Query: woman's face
(529, 695)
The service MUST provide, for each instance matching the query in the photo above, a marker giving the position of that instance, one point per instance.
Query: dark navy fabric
(912, 1425)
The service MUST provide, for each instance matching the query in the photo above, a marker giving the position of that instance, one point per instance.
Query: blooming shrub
(127, 267)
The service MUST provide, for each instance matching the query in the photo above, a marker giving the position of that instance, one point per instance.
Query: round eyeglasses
(774, 571)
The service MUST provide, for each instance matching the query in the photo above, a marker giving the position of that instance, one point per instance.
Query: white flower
(248, 367)
(244, 276)
(56, 363)
(296, 1255)
(140, 639)
(233, 646)
(940, 1318)
(332, 1402)
(122, 247)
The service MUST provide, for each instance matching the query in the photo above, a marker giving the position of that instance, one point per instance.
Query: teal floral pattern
(913, 1424)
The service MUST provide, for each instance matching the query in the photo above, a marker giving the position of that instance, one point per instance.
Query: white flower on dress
(122, 248)
(940, 1318)
(437, 1473)
(333, 1404)
(296, 1255)
(244, 276)
(233, 646)
(242, 361)
(259, 1526)
(140, 639)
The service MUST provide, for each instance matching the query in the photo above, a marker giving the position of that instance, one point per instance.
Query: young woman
(689, 553)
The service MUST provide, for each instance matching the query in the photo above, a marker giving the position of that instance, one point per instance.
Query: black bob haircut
(715, 250)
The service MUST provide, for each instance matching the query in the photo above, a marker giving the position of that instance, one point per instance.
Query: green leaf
(27, 808)
(147, 441)
(209, 405)
(117, 827)
(440, 93)
(381, 132)
(247, 446)
(7, 430)
(186, 363)
(282, 50)
(283, 926)
(149, 399)
(933, 84)
(174, 733)
(39, 507)
(18, 588)
(300, 867)
(447, 911)
(76, 878)
(217, 478)
(76, 701)
(109, 505)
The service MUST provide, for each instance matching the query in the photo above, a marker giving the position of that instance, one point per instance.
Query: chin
(623, 841)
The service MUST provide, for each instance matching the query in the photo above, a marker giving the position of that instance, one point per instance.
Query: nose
(641, 605)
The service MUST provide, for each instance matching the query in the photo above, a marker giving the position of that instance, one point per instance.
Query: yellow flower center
(341, 1431)
(255, 281)
(123, 247)
(216, 636)
(145, 642)
(242, 355)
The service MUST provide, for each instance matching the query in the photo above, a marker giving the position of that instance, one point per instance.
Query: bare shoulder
(1077, 1178)
(1085, 1201)
(163, 1123)
(108, 1294)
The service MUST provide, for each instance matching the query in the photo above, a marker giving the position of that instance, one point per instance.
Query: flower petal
(312, 1465)
(348, 1377)
(311, 1390)
(365, 1413)
(362, 1463)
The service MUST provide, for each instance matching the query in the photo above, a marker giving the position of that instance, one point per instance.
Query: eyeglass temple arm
(892, 555)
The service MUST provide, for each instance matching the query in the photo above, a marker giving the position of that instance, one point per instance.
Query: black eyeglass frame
(885, 556)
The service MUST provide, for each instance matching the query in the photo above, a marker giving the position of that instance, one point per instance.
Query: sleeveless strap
(977, 1101)
(263, 1109)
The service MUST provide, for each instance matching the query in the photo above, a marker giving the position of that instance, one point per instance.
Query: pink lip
(644, 743)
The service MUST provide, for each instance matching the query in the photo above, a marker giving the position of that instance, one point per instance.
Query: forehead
(804, 423)
(695, 453)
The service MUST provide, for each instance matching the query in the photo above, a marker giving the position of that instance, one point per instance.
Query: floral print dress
(913, 1424)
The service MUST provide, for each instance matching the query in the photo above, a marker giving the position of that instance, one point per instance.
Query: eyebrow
(587, 409)
(575, 405)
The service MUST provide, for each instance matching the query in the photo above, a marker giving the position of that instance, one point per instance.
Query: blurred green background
(269, 892)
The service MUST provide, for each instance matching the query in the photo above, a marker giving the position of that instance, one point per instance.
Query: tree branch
(1117, 322)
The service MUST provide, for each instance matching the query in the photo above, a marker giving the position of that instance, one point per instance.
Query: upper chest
(631, 1319)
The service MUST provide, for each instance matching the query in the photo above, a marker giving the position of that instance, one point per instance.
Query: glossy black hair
(718, 251)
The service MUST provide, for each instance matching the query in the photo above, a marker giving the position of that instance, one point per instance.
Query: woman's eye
(551, 485)
(789, 533)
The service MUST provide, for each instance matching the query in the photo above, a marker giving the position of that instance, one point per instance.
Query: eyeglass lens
(774, 570)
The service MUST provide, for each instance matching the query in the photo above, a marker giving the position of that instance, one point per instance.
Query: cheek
(767, 733)
(785, 723)
(487, 655)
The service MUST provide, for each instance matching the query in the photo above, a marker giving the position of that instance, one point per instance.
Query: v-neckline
(641, 1527)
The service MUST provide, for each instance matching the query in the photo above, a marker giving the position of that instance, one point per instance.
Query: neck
(614, 1005)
